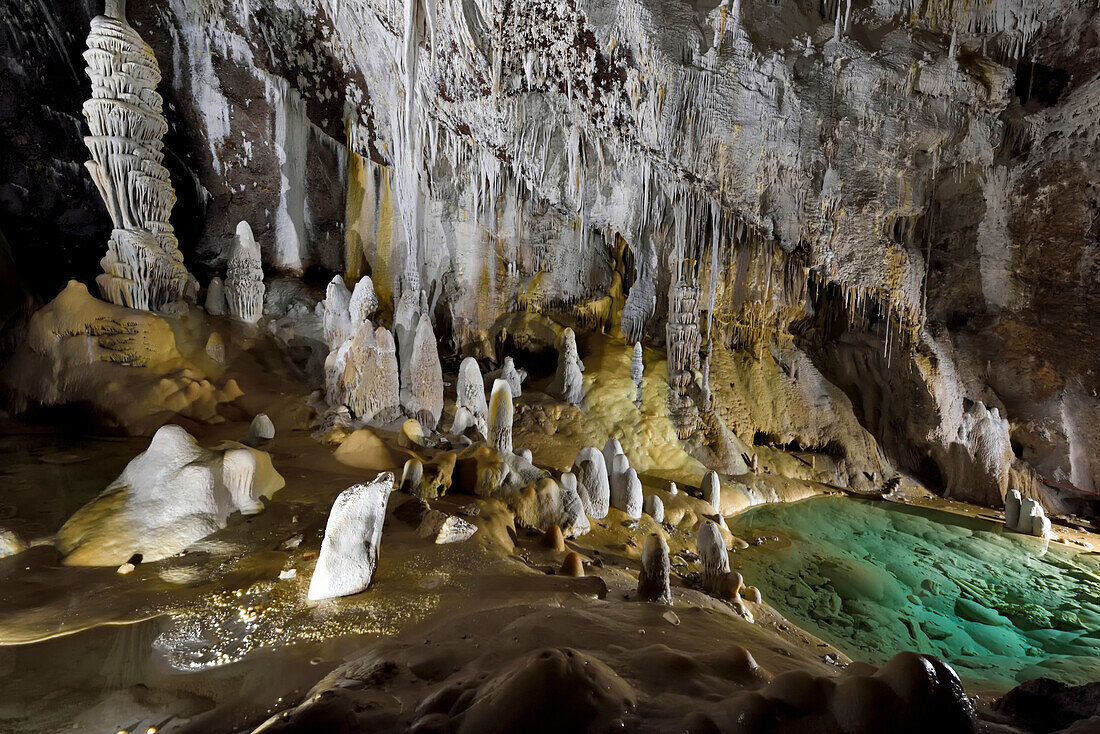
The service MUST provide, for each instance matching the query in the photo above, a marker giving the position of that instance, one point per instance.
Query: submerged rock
(349, 551)
(441, 528)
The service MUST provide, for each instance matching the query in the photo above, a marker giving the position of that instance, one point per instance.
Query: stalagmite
(369, 375)
(349, 551)
(626, 488)
(363, 302)
(654, 507)
(673, 490)
(712, 491)
(610, 450)
(424, 399)
(653, 579)
(244, 280)
(411, 476)
(143, 267)
(470, 394)
(568, 384)
(261, 429)
(591, 472)
(513, 377)
(215, 298)
(1012, 509)
(713, 555)
(500, 418)
(336, 317)
(574, 520)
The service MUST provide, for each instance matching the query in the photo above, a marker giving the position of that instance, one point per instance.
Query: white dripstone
(143, 267)
(215, 298)
(593, 485)
(500, 418)
(712, 491)
(411, 476)
(167, 497)
(513, 377)
(568, 384)
(654, 507)
(470, 394)
(425, 377)
(349, 551)
(244, 280)
(1012, 509)
(261, 429)
(626, 488)
(369, 375)
(573, 512)
(610, 450)
(441, 528)
(336, 319)
(10, 543)
(653, 579)
(673, 490)
(713, 555)
(364, 301)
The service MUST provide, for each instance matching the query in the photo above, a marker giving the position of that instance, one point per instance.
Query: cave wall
(937, 165)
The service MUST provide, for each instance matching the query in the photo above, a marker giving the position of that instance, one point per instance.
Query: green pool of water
(876, 578)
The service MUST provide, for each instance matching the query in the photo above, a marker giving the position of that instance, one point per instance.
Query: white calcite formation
(574, 515)
(500, 418)
(363, 302)
(592, 482)
(367, 375)
(1026, 515)
(411, 476)
(568, 383)
(336, 314)
(353, 534)
(422, 386)
(653, 579)
(143, 267)
(441, 528)
(513, 377)
(244, 278)
(626, 488)
(654, 506)
(261, 429)
(470, 395)
(711, 490)
(713, 556)
(169, 496)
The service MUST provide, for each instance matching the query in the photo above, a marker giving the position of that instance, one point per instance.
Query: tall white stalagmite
(713, 554)
(470, 393)
(143, 267)
(513, 377)
(653, 580)
(336, 319)
(244, 280)
(568, 384)
(610, 450)
(369, 375)
(712, 490)
(364, 301)
(500, 418)
(424, 399)
(595, 490)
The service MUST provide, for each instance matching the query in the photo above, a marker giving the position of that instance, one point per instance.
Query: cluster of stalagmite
(143, 267)
(683, 343)
(1026, 515)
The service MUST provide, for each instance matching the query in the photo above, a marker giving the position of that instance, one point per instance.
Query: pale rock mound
(349, 551)
(592, 482)
(261, 429)
(470, 395)
(441, 528)
(168, 497)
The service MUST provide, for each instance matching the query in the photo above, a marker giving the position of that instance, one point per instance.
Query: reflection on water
(875, 578)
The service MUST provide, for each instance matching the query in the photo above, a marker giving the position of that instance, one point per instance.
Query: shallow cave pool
(875, 578)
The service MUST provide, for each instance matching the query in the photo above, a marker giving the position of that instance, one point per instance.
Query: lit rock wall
(907, 193)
